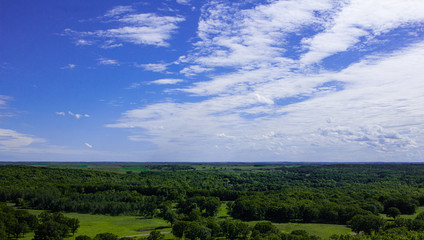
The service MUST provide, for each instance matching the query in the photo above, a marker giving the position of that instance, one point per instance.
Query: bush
(106, 236)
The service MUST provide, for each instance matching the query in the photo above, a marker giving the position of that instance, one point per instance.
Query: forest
(376, 201)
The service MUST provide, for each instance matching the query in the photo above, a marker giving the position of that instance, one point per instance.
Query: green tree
(211, 206)
(106, 236)
(51, 230)
(366, 223)
(265, 227)
(234, 229)
(19, 228)
(197, 231)
(83, 237)
(179, 228)
(155, 235)
(393, 212)
(170, 216)
(420, 216)
(73, 224)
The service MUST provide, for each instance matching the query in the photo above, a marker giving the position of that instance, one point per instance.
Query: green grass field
(132, 225)
(122, 226)
(322, 230)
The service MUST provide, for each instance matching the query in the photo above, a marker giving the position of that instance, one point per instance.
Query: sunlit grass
(122, 226)
(322, 230)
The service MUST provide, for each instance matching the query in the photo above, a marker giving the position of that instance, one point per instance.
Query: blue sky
(212, 80)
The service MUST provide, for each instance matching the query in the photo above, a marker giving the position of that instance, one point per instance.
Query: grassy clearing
(122, 226)
(322, 230)
(91, 225)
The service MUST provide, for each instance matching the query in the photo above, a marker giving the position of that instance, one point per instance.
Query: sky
(212, 80)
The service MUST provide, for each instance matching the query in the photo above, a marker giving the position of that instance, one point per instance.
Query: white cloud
(377, 111)
(111, 44)
(154, 67)
(194, 70)
(83, 42)
(166, 81)
(4, 106)
(119, 10)
(4, 101)
(106, 61)
(76, 115)
(269, 105)
(251, 37)
(69, 66)
(134, 86)
(126, 26)
(12, 139)
(360, 18)
(88, 145)
(374, 136)
(184, 2)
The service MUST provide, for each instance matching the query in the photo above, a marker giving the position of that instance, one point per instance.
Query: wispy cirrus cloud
(167, 81)
(72, 114)
(82, 42)
(69, 66)
(163, 81)
(4, 101)
(88, 145)
(119, 10)
(123, 25)
(4, 106)
(360, 19)
(154, 67)
(183, 1)
(106, 61)
(270, 104)
(12, 139)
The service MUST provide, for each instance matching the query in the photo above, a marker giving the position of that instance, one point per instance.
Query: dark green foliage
(55, 226)
(265, 227)
(179, 228)
(155, 235)
(51, 230)
(264, 230)
(197, 231)
(366, 223)
(420, 216)
(82, 237)
(249, 209)
(3, 234)
(302, 193)
(229, 229)
(106, 236)
(233, 229)
(404, 204)
(298, 235)
(15, 223)
(393, 212)
(206, 206)
(73, 224)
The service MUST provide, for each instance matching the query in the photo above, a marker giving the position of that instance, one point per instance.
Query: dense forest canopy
(189, 196)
